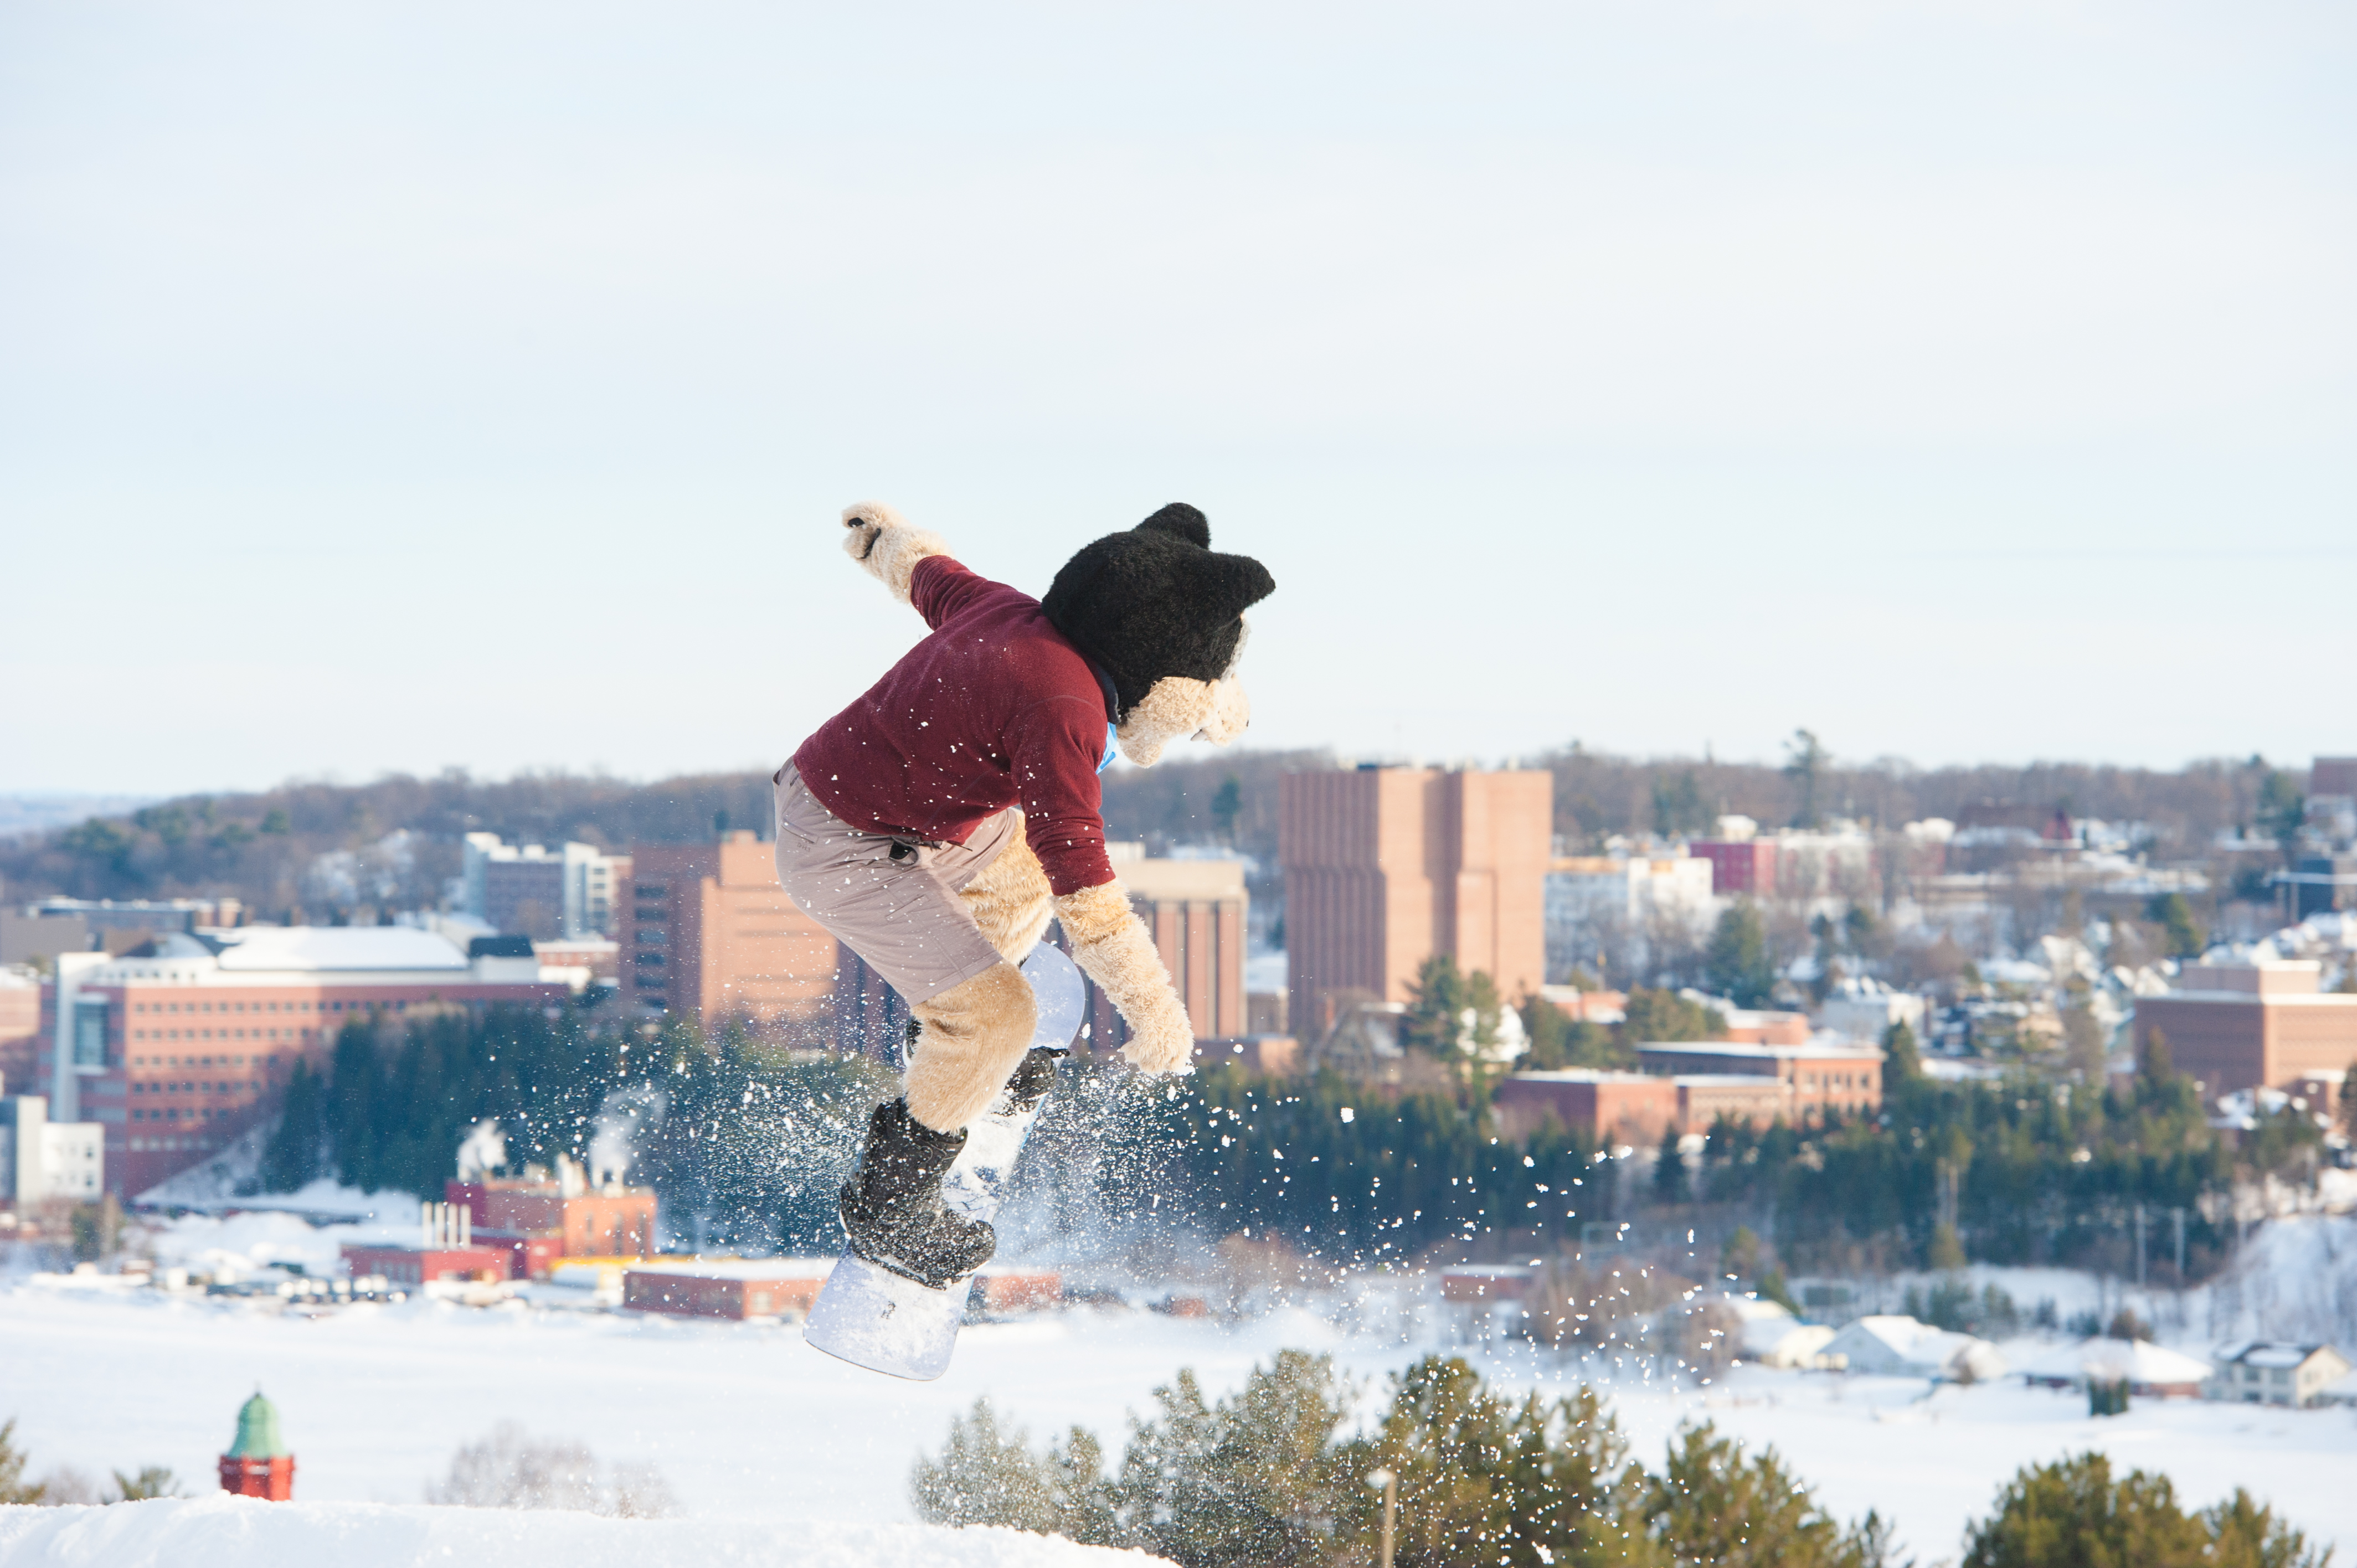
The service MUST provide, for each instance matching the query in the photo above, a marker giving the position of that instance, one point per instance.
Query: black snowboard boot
(892, 1207)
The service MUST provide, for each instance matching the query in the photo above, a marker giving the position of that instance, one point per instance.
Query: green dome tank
(257, 1432)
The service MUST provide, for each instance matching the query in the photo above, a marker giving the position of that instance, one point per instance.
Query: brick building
(1804, 1078)
(707, 932)
(176, 1051)
(1689, 1085)
(2234, 1027)
(1624, 1107)
(1385, 866)
(1738, 866)
(578, 1221)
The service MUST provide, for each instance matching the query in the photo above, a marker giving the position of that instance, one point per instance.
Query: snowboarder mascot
(935, 825)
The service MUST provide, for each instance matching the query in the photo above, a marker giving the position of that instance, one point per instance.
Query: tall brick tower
(259, 1464)
(1385, 866)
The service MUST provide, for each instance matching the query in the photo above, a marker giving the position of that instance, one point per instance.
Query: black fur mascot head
(1163, 613)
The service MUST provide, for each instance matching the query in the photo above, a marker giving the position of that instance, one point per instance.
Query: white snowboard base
(886, 1322)
(872, 1317)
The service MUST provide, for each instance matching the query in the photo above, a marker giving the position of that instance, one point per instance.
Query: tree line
(1272, 1476)
(746, 1144)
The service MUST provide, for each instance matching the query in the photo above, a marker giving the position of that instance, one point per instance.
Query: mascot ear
(1221, 587)
(1181, 519)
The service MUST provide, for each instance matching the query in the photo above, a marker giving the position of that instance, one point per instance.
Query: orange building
(707, 932)
(1804, 1078)
(1385, 866)
(2234, 1027)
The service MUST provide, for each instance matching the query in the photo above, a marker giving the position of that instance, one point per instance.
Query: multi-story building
(1738, 866)
(41, 1159)
(20, 1024)
(707, 932)
(568, 895)
(2234, 1027)
(178, 1051)
(1815, 1077)
(1635, 888)
(1689, 1085)
(1386, 866)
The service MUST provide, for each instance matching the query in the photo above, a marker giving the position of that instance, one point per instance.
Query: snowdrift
(173, 1532)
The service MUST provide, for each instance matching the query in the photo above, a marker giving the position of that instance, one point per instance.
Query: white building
(525, 889)
(1635, 888)
(44, 1159)
(2269, 1371)
(1773, 1337)
(1864, 1009)
(1891, 1344)
(2151, 1372)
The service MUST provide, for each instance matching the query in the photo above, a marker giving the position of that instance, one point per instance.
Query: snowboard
(872, 1317)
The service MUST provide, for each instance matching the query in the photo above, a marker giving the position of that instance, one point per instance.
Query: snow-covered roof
(2138, 1360)
(2267, 1353)
(281, 948)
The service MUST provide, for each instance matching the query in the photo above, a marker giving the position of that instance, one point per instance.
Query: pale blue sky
(395, 387)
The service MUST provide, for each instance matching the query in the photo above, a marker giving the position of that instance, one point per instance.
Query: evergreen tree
(984, 1476)
(1657, 1015)
(1714, 1504)
(1678, 805)
(2181, 938)
(1548, 1031)
(1738, 962)
(1901, 1061)
(1227, 805)
(291, 1158)
(1806, 762)
(2073, 1513)
(1436, 1007)
(14, 1487)
(1670, 1183)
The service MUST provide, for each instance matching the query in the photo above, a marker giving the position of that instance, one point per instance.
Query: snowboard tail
(875, 1318)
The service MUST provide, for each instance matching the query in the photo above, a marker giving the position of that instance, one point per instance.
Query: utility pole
(1389, 1482)
(2140, 1229)
(2179, 1214)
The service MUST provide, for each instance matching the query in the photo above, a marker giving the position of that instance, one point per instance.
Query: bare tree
(513, 1470)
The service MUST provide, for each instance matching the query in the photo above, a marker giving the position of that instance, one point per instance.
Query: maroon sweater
(995, 709)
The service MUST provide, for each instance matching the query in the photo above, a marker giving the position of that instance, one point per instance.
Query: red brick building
(178, 1050)
(1621, 1107)
(1386, 866)
(613, 1221)
(727, 1288)
(1738, 866)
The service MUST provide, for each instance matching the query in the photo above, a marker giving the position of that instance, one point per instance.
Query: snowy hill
(219, 1529)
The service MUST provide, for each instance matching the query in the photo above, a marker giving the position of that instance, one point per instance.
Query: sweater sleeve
(939, 587)
(1055, 758)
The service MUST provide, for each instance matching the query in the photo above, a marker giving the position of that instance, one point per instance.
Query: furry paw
(1161, 1042)
(860, 536)
(884, 545)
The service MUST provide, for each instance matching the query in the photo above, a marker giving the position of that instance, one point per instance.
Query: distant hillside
(326, 850)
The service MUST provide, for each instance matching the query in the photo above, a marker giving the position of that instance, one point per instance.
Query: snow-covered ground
(170, 1534)
(753, 1431)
